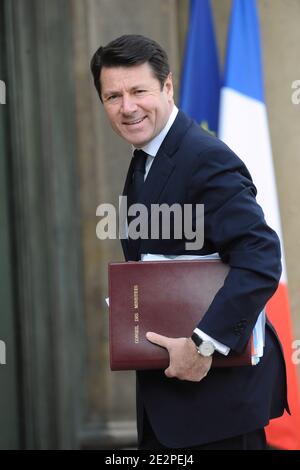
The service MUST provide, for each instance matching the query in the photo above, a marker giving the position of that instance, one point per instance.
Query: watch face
(206, 348)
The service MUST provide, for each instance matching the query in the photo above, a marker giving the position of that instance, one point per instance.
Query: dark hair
(129, 50)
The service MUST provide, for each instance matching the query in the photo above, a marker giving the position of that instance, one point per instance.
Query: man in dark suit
(191, 405)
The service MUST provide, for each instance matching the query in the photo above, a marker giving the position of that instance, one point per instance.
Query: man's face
(135, 105)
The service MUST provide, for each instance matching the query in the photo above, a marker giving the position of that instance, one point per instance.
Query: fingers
(183, 365)
(169, 373)
(163, 341)
(189, 376)
(155, 338)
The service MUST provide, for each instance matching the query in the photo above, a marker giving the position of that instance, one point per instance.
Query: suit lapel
(161, 169)
(164, 163)
(157, 178)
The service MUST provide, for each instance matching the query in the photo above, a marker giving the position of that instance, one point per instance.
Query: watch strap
(197, 340)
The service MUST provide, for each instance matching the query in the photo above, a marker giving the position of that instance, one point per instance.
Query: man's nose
(128, 104)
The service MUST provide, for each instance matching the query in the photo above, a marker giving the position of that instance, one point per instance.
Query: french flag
(243, 126)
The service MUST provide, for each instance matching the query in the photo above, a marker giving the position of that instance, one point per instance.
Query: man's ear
(169, 86)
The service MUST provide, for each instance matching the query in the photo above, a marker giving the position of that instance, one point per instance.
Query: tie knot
(139, 160)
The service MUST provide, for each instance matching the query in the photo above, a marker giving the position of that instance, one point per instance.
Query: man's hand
(185, 361)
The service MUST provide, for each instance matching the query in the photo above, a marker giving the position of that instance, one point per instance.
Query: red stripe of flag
(284, 432)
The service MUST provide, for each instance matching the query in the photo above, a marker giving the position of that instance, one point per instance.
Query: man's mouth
(136, 121)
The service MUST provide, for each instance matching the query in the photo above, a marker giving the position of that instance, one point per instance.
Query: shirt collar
(153, 146)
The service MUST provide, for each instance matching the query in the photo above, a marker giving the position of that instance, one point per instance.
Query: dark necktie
(134, 190)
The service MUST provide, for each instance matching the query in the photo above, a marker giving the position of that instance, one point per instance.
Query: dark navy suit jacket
(194, 167)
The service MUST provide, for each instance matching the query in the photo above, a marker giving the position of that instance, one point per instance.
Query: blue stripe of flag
(200, 81)
(243, 69)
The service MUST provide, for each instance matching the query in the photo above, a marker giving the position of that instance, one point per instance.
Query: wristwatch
(205, 348)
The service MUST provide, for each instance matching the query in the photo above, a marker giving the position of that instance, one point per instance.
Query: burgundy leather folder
(166, 297)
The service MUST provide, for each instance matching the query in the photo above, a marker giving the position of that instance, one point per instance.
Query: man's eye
(139, 92)
(112, 98)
